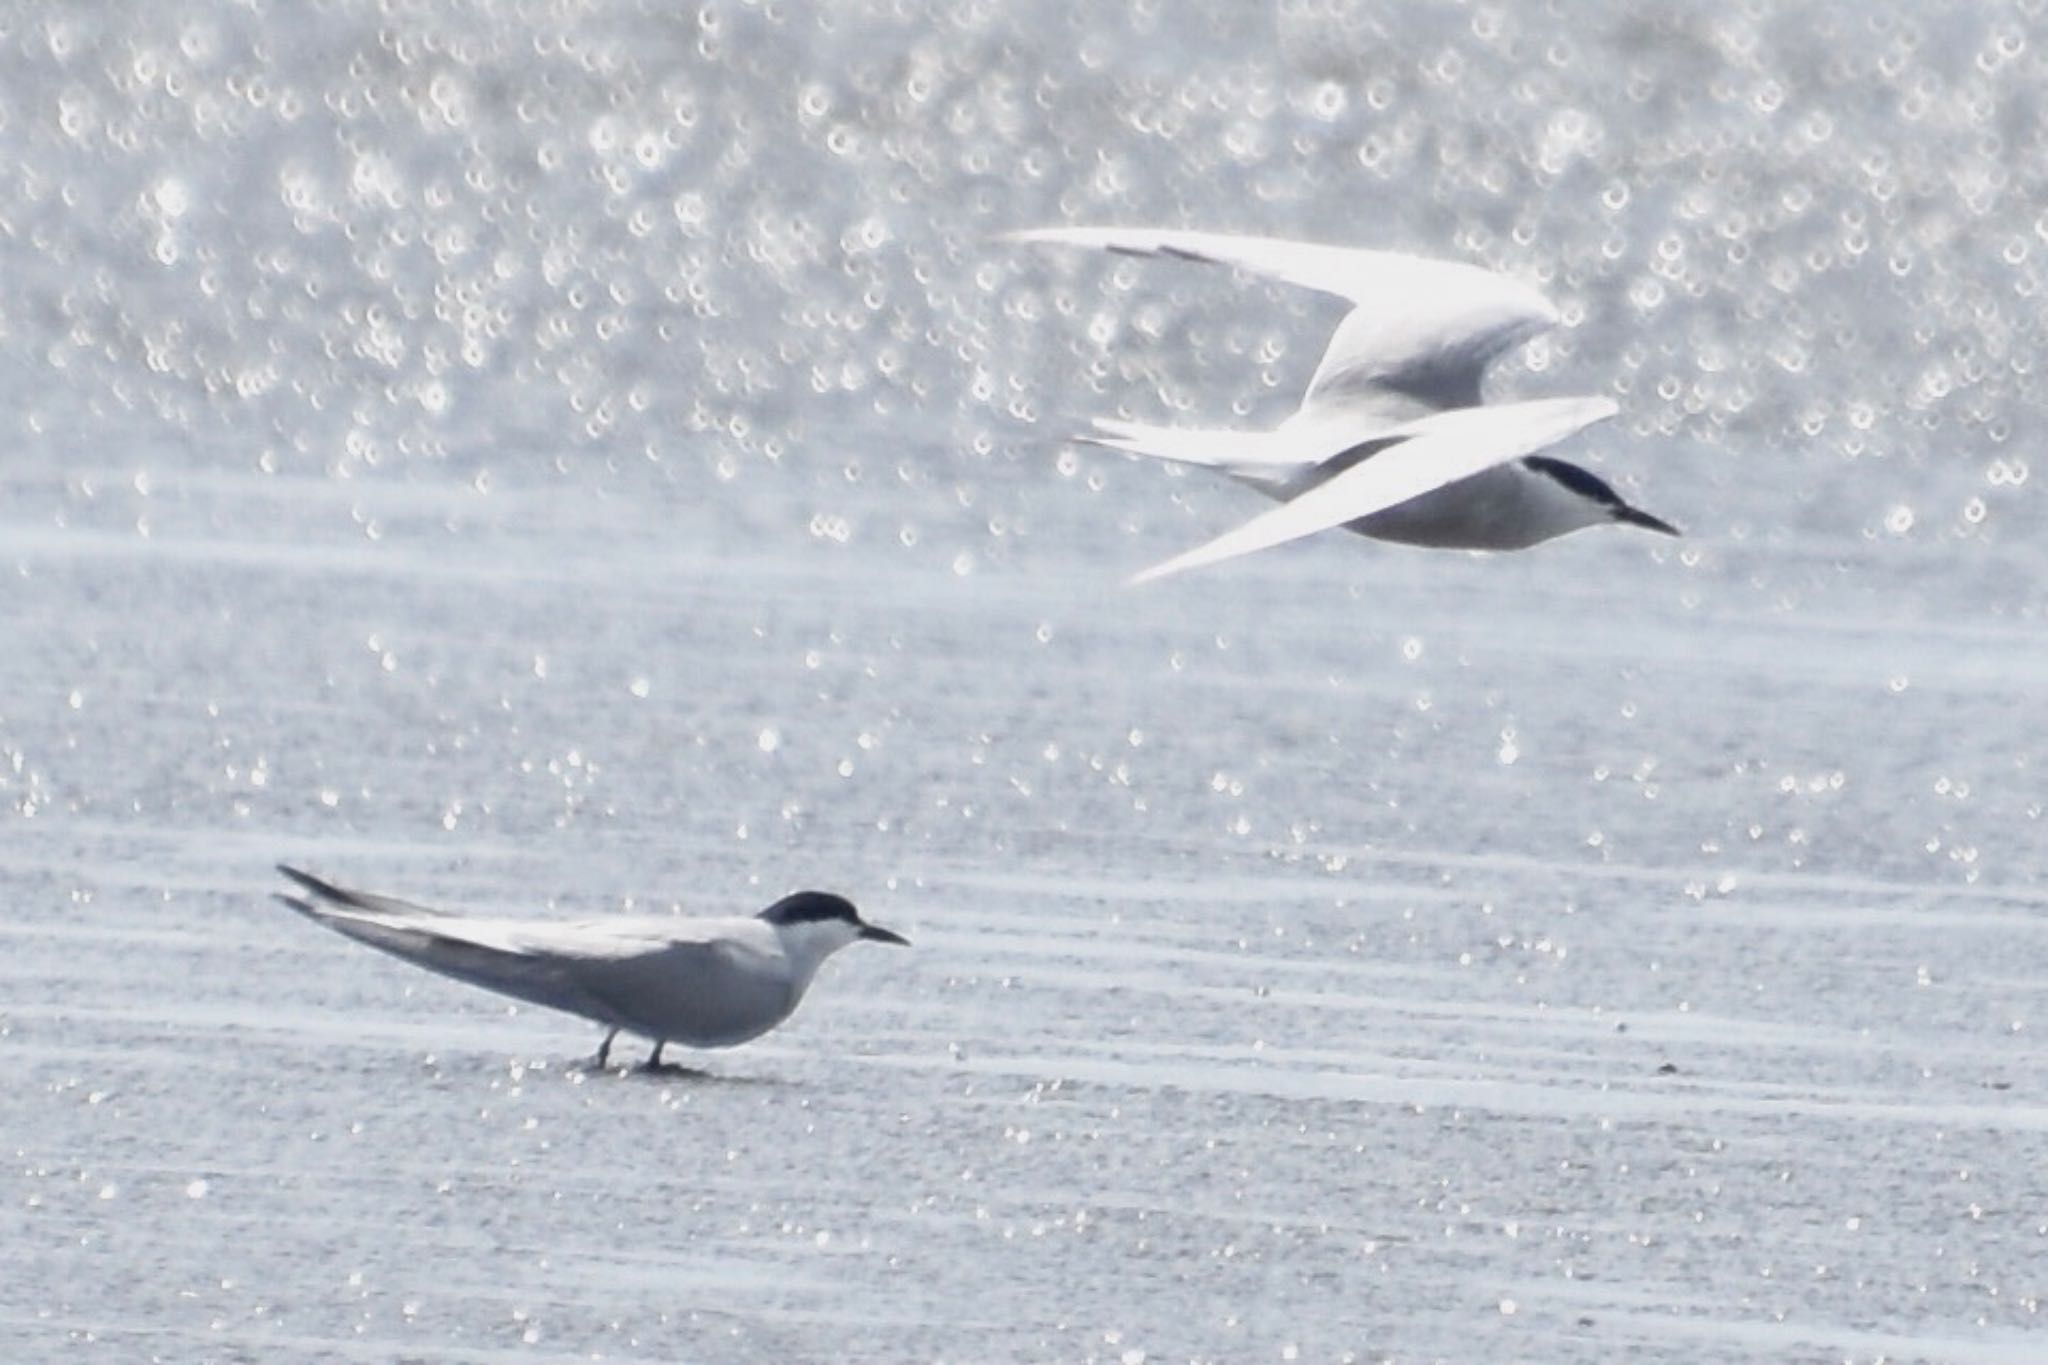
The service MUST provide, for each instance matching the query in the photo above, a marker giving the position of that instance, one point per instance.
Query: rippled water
(544, 458)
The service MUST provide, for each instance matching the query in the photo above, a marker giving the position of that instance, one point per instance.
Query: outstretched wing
(1420, 327)
(1436, 450)
(1353, 273)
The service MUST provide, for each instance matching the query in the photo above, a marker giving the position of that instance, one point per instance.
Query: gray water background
(551, 458)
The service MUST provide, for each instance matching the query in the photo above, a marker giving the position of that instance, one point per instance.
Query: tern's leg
(654, 1057)
(604, 1049)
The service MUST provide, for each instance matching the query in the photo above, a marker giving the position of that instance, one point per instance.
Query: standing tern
(1391, 440)
(700, 982)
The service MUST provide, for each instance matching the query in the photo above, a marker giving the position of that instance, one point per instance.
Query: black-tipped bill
(881, 935)
(1635, 516)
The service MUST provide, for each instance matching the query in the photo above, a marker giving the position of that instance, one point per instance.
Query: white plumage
(1392, 439)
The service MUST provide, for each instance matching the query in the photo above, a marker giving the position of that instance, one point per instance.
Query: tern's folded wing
(479, 952)
(520, 958)
(1438, 450)
(356, 900)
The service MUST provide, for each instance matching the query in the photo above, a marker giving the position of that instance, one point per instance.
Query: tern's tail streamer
(1212, 449)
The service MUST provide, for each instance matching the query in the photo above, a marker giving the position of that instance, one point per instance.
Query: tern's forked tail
(1261, 454)
(1180, 445)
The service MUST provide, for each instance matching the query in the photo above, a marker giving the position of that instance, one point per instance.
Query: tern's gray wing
(1437, 450)
(1420, 328)
(356, 900)
(478, 952)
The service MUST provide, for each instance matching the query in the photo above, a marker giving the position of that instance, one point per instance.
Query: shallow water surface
(552, 465)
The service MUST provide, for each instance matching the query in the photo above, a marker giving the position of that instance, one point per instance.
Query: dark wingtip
(1636, 516)
(304, 907)
(310, 882)
(324, 890)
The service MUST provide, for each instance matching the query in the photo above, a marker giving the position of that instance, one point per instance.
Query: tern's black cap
(814, 907)
(808, 907)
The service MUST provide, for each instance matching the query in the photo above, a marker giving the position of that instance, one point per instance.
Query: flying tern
(1392, 439)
